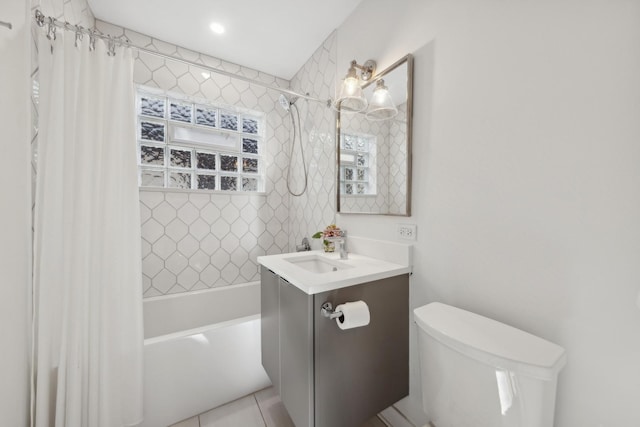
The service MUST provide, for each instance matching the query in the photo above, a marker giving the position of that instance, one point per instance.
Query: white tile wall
(398, 162)
(198, 240)
(194, 240)
(230, 237)
(315, 209)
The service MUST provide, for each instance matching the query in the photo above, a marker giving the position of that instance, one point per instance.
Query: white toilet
(477, 372)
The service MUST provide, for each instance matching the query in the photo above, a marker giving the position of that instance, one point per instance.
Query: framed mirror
(374, 149)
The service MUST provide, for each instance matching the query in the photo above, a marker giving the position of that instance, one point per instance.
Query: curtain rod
(112, 41)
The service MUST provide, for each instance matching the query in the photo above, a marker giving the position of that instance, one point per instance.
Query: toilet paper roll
(354, 315)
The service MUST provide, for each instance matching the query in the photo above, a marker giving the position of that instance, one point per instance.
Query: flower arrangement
(328, 234)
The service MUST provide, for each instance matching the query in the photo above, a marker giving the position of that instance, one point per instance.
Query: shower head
(286, 103)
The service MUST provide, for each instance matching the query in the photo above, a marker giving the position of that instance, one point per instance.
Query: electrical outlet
(407, 231)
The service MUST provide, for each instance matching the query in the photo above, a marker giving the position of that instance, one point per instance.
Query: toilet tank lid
(491, 342)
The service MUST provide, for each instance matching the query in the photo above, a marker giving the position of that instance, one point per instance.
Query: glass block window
(357, 165)
(181, 111)
(206, 161)
(228, 121)
(229, 163)
(151, 106)
(189, 144)
(249, 184)
(206, 182)
(250, 145)
(151, 155)
(206, 116)
(180, 180)
(250, 165)
(249, 125)
(150, 131)
(180, 158)
(228, 183)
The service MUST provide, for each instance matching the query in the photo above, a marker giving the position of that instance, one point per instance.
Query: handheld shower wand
(286, 104)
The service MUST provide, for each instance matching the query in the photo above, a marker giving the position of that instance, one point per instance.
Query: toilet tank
(477, 372)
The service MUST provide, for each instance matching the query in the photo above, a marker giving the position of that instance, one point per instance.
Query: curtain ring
(78, 36)
(51, 30)
(112, 47)
(92, 41)
(39, 18)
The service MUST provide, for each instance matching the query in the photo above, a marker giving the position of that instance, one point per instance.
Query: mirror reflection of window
(358, 164)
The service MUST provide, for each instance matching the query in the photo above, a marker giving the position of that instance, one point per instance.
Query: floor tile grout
(380, 418)
(264, 421)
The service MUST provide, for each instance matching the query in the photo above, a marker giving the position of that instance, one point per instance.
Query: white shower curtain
(87, 292)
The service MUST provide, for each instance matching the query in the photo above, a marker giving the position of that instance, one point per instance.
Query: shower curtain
(87, 292)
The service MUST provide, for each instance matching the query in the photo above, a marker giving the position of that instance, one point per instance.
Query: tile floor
(261, 409)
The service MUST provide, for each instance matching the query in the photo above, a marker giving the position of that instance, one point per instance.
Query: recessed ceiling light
(216, 27)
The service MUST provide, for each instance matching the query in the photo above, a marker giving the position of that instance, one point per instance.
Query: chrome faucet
(342, 245)
(305, 246)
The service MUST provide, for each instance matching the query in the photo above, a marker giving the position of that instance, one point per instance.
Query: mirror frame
(408, 59)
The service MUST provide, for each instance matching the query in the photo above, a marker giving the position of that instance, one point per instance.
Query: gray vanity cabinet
(296, 350)
(270, 330)
(326, 376)
(287, 344)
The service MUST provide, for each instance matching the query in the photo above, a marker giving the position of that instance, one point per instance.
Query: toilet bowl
(477, 372)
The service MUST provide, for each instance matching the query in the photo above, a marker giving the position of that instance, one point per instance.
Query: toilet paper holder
(327, 311)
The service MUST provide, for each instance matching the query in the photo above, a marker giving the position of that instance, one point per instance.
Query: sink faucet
(305, 246)
(342, 245)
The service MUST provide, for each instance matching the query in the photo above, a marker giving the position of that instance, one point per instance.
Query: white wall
(15, 215)
(526, 177)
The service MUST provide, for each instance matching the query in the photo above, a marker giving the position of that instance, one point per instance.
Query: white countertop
(352, 271)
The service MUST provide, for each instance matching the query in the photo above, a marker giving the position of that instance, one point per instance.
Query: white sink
(316, 271)
(317, 264)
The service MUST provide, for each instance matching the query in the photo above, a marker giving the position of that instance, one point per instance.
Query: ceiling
(274, 36)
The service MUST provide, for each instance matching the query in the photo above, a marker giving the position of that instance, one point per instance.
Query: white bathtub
(201, 350)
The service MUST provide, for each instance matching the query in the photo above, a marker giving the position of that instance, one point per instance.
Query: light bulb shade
(381, 106)
(351, 99)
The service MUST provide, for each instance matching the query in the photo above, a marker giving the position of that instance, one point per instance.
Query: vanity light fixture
(381, 106)
(351, 98)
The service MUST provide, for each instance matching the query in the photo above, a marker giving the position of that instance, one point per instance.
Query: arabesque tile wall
(193, 240)
(316, 208)
(198, 240)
